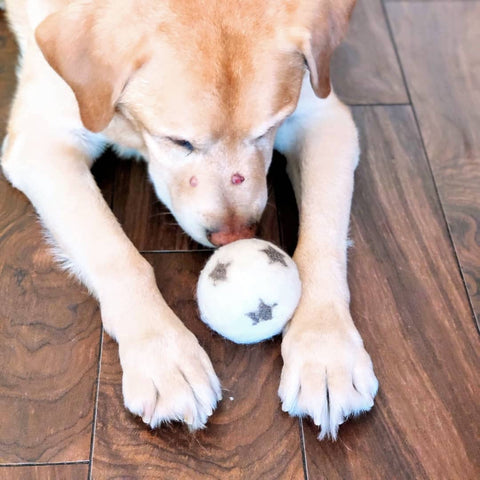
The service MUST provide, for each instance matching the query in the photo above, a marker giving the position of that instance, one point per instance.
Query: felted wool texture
(241, 284)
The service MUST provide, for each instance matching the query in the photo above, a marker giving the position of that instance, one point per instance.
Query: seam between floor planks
(95, 408)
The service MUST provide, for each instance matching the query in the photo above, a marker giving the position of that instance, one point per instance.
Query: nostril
(216, 237)
(208, 234)
(237, 179)
(253, 227)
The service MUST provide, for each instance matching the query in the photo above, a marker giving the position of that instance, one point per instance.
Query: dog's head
(204, 84)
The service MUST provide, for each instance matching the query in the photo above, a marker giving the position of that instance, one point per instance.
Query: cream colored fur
(48, 154)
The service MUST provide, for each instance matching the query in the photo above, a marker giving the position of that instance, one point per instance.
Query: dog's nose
(229, 235)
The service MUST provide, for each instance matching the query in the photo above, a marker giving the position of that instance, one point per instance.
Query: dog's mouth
(231, 233)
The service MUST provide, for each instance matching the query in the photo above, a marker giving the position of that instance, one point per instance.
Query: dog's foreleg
(327, 373)
(166, 374)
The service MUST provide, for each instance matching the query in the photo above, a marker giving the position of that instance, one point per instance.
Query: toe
(212, 377)
(205, 397)
(289, 388)
(312, 399)
(365, 381)
(140, 395)
(175, 401)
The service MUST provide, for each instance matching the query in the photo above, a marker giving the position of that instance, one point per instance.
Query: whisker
(160, 214)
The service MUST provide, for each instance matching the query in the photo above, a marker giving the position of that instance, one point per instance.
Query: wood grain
(45, 472)
(443, 38)
(247, 437)
(149, 224)
(49, 330)
(409, 304)
(364, 67)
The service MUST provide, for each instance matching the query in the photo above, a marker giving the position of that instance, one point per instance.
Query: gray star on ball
(219, 273)
(263, 313)
(275, 256)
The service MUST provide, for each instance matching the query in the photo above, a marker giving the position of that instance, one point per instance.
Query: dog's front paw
(169, 377)
(327, 373)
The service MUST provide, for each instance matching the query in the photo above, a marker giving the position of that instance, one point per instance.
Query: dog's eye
(264, 135)
(182, 143)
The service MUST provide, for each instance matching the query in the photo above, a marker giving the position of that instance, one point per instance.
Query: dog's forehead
(241, 12)
(246, 82)
(223, 66)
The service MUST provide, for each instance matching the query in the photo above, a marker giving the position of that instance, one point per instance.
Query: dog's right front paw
(169, 377)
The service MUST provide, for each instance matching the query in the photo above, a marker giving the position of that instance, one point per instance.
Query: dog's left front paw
(327, 375)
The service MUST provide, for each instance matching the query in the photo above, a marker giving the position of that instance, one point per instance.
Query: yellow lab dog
(203, 90)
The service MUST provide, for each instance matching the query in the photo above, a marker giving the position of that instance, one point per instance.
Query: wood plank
(49, 340)
(247, 437)
(149, 224)
(49, 330)
(438, 46)
(45, 472)
(364, 68)
(410, 306)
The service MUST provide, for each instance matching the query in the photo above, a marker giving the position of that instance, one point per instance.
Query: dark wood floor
(411, 71)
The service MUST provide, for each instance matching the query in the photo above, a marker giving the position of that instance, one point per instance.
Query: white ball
(248, 290)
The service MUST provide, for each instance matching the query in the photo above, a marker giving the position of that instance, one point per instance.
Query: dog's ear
(327, 22)
(95, 56)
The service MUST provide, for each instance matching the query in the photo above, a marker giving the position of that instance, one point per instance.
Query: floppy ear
(93, 55)
(327, 26)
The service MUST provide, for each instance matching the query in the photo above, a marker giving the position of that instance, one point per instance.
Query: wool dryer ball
(248, 290)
